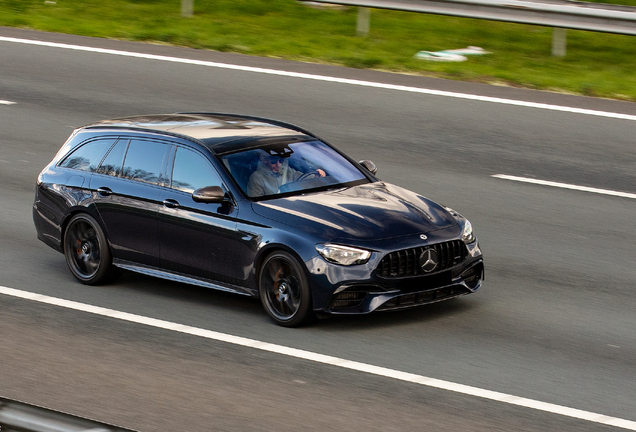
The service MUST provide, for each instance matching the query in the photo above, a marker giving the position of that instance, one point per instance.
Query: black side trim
(178, 277)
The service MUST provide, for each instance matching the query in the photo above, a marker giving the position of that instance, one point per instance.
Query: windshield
(290, 169)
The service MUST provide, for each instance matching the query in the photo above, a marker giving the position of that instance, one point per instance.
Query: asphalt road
(555, 321)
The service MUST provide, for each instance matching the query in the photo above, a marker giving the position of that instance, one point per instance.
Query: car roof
(222, 133)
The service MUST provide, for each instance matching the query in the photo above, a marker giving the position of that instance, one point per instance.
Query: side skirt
(178, 277)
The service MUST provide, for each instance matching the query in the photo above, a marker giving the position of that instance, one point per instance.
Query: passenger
(273, 172)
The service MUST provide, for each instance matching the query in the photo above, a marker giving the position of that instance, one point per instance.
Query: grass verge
(596, 64)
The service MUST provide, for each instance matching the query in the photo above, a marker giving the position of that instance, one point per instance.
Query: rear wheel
(86, 251)
(284, 290)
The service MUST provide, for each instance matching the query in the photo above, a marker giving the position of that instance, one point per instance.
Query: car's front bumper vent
(407, 262)
(347, 299)
(425, 297)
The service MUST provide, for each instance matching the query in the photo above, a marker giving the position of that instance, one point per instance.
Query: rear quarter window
(87, 156)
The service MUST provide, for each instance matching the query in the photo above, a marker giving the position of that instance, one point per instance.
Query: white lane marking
(566, 186)
(5, 102)
(325, 359)
(326, 78)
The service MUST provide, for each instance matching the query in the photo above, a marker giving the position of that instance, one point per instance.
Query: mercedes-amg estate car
(251, 206)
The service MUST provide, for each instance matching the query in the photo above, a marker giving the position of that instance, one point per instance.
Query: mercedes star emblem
(429, 260)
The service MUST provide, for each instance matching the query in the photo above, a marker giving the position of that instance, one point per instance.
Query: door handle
(104, 191)
(170, 203)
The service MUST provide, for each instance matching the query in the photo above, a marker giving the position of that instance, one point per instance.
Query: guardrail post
(187, 8)
(362, 26)
(559, 42)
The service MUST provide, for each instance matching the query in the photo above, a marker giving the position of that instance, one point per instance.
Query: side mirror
(369, 166)
(209, 194)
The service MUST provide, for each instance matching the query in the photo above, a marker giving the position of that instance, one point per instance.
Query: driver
(273, 172)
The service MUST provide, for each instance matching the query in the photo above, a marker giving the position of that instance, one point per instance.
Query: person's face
(274, 164)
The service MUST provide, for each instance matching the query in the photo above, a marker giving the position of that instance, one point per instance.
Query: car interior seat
(242, 167)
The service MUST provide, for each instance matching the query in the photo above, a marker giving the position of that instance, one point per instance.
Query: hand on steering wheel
(315, 173)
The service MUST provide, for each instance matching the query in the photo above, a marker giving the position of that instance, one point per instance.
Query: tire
(86, 250)
(284, 290)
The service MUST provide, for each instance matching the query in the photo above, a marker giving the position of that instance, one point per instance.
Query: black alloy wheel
(86, 251)
(284, 290)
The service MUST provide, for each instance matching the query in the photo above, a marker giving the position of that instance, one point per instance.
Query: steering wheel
(307, 175)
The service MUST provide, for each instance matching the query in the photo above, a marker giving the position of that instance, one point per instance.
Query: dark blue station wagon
(251, 206)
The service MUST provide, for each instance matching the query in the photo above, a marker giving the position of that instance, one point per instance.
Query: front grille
(406, 262)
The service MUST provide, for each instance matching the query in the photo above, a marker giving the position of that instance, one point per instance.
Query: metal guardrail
(560, 14)
(577, 15)
(21, 417)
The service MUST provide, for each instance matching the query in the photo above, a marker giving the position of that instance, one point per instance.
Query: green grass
(596, 64)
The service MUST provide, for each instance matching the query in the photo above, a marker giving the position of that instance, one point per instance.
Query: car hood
(372, 211)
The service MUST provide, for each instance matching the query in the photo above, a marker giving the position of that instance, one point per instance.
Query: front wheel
(284, 290)
(86, 251)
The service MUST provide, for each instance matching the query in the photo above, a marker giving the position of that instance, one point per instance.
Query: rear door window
(146, 161)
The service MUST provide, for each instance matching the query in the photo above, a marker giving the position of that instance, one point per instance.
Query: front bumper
(346, 290)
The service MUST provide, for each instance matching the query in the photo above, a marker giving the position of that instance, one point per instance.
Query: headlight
(467, 232)
(343, 255)
(467, 228)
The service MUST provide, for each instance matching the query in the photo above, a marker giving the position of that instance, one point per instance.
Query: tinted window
(113, 161)
(145, 161)
(192, 171)
(88, 156)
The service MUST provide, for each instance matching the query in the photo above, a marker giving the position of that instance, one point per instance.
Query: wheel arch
(73, 211)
